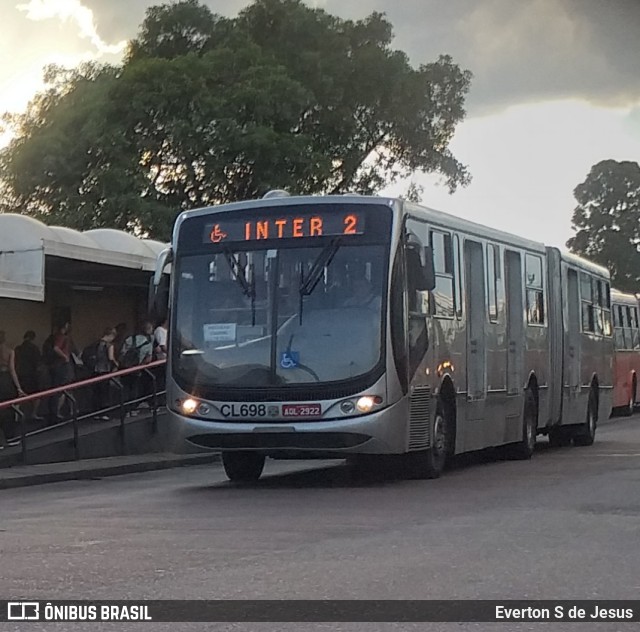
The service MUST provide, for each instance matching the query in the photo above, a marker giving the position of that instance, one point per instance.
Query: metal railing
(68, 392)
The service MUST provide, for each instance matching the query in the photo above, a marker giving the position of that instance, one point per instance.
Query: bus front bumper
(382, 432)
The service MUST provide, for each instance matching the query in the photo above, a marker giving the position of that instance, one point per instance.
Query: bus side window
(628, 327)
(535, 290)
(635, 329)
(493, 274)
(586, 302)
(417, 339)
(618, 326)
(596, 307)
(457, 297)
(443, 294)
(605, 308)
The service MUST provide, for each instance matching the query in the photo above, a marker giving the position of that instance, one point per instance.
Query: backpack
(90, 356)
(49, 356)
(131, 357)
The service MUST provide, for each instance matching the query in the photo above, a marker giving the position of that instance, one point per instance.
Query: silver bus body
(508, 316)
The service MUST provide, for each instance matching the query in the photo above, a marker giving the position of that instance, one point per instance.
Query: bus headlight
(189, 406)
(365, 404)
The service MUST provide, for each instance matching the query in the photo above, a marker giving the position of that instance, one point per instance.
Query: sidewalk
(25, 475)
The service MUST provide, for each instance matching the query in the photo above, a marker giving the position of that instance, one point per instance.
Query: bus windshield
(294, 314)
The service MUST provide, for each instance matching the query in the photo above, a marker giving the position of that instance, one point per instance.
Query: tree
(70, 162)
(607, 221)
(171, 30)
(206, 110)
(413, 193)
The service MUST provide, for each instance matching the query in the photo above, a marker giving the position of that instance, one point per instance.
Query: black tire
(524, 449)
(559, 437)
(430, 463)
(586, 433)
(243, 467)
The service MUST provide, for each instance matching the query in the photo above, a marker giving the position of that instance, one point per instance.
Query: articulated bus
(626, 361)
(353, 327)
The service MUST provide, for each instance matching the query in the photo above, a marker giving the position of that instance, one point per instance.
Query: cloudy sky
(556, 86)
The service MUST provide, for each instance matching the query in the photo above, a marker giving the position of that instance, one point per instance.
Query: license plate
(249, 410)
(301, 410)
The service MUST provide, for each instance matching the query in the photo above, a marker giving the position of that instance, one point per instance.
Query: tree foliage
(607, 221)
(206, 110)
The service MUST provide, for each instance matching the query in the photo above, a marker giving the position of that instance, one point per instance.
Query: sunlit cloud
(526, 161)
(71, 11)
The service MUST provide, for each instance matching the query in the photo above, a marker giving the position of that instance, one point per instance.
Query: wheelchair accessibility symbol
(289, 359)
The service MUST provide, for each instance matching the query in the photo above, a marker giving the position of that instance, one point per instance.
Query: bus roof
(435, 217)
(584, 264)
(446, 220)
(624, 298)
(439, 218)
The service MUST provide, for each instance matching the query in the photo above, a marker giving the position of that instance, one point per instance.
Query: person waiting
(10, 388)
(28, 361)
(62, 371)
(105, 362)
(137, 350)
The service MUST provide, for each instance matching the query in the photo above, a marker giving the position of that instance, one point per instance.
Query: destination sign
(282, 226)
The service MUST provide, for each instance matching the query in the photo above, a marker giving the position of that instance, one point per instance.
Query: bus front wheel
(243, 467)
(430, 463)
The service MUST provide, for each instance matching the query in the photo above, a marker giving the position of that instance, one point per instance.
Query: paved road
(563, 526)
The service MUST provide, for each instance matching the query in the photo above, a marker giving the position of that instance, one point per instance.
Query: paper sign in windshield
(219, 332)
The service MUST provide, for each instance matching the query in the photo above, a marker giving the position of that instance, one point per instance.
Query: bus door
(515, 324)
(573, 347)
(476, 335)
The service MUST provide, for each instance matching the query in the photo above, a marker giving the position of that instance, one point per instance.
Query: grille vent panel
(420, 418)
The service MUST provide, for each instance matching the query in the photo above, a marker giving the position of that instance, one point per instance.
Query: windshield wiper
(248, 287)
(323, 260)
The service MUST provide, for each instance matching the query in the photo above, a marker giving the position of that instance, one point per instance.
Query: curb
(86, 471)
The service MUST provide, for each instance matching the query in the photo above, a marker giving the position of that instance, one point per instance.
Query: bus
(350, 326)
(626, 360)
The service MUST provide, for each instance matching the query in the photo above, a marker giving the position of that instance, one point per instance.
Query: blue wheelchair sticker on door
(289, 359)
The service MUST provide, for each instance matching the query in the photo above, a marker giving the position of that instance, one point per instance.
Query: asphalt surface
(565, 525)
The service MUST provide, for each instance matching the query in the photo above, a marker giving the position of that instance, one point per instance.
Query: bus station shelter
(48, 274)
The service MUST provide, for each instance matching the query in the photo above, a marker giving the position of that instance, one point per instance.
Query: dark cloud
(518, 51)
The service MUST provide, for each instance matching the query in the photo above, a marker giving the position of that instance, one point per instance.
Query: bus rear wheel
(243, 467)
(525, 447)
(586, 434)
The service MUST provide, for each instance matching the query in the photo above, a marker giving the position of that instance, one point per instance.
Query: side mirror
(158, 304)
(159, 286)
(420, 276)
(163, 260)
